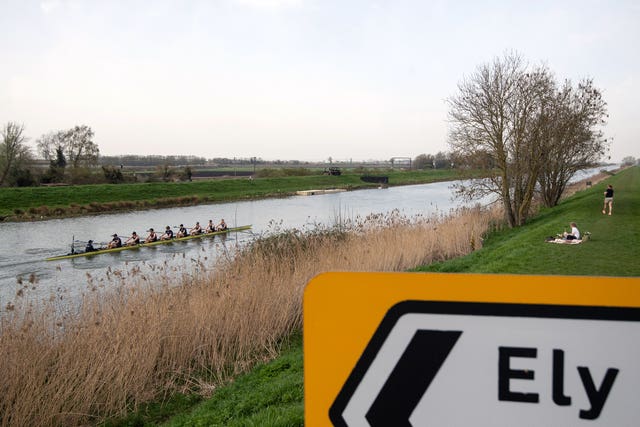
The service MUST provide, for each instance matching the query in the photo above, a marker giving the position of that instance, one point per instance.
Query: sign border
(398, 310)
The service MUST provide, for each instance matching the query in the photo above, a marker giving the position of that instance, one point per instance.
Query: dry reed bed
(141, 341)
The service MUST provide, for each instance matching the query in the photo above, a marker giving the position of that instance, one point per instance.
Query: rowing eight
(157, 242)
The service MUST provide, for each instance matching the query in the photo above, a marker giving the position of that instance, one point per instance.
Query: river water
(26, 276)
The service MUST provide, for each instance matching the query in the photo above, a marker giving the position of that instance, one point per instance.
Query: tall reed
(144, 340)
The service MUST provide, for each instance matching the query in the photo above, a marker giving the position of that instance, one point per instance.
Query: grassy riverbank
(34, 203)
(613, 248)
(273, 394)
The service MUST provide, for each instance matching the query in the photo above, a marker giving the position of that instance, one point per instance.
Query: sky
(294, 79)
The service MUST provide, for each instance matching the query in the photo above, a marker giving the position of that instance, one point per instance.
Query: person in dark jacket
(608, 199)
(89, 247)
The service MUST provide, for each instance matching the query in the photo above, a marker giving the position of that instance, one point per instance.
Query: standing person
(116, 242)
(574, 234)
(168, 234)
(608, 199)
(182, 231)
(152, 237)
(133, 240)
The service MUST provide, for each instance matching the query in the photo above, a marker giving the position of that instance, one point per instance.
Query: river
(25, 276)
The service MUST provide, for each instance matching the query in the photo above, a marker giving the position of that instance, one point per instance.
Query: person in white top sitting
(574, 234)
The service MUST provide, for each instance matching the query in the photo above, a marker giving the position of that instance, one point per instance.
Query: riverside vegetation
(35, 203)
(177, 345)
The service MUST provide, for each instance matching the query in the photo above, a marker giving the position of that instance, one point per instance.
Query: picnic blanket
(565, 241)
(562, 241)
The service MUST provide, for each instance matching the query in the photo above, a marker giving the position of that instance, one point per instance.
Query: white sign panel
(482, 364)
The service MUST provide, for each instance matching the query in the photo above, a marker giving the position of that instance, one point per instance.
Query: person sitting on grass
(168, 234)
(133, 240)
(152, 237)
(197, 229)
(574, 234)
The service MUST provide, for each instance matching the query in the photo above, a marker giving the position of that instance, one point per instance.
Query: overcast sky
(294, 79)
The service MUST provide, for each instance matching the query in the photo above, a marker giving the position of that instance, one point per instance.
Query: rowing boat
(144, 245)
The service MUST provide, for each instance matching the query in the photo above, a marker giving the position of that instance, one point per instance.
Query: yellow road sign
(414, 348)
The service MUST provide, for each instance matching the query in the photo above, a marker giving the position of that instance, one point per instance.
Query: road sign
(451, 349)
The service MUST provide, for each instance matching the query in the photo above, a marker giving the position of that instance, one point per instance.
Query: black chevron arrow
(410, 378)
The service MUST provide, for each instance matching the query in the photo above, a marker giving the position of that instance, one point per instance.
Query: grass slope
(272, 394)
(612, 250)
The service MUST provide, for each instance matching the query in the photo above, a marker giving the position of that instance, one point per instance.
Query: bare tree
(572, 138)
(49, 145)
(496, 114)
(14, 152)
(80, 150)
(76, 144)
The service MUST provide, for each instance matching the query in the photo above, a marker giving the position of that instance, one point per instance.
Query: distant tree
(421, 161)
(629, 161)
(57, 161)
(442, 160)
(76, 143)
(571, 138)
(14, 153)
(50, 144)
(80, 150)
(113, 174)
(21, 177)
(187, 173)
(165, 172)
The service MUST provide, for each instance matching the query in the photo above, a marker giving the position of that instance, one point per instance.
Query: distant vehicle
(332, 171)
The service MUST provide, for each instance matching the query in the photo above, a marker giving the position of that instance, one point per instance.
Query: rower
(89, 247)
(222, 226)
(210, 227)
(152, 237)
(133, 240)
(182, 232)
(116, 242)
(197, 229)
(168, 234)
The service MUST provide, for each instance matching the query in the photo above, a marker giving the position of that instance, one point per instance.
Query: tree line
(70, 152)
(72, 156)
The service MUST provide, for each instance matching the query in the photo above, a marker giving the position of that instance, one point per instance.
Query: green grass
(270, 395)
(113, 197)
(611, 251)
